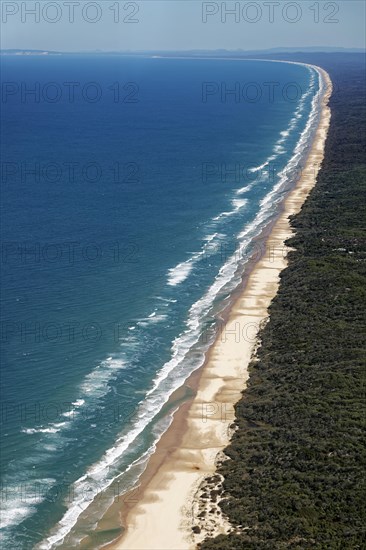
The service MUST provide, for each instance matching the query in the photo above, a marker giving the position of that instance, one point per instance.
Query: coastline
(165, 509)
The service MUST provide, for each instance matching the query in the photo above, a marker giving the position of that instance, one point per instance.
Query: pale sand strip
(162, 519)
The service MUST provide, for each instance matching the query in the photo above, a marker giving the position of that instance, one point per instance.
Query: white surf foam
(49, 430)
(244, 189)
(19, 500)
(279, 148)
(238, 204)
(151, 319)
(180, 272)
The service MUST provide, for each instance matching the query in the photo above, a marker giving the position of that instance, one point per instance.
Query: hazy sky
(71, 25)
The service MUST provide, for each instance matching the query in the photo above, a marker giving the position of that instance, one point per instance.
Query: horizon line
(285, 49)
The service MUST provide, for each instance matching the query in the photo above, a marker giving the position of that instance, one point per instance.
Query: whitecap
(243, 190)
(18, 499)
(239, 203)
(151, 320)
(49, 430)
(258, 168)
(80, 402)
(179, 273)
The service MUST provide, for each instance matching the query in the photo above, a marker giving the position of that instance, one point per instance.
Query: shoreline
(165, 508)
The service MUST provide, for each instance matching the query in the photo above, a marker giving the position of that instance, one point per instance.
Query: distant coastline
(191, 53)
(170, 511)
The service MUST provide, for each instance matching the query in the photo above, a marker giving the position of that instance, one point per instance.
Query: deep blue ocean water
(131, 191)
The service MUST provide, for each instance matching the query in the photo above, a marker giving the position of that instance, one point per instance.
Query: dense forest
(295, 473)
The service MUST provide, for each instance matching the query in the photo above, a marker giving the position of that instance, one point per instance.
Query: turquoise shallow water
(129, 209)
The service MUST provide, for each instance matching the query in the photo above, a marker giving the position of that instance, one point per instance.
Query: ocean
(132, 190)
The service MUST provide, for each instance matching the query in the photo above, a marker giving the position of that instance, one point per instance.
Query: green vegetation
(295, 477)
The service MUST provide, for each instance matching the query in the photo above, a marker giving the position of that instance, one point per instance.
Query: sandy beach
(168, 503)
